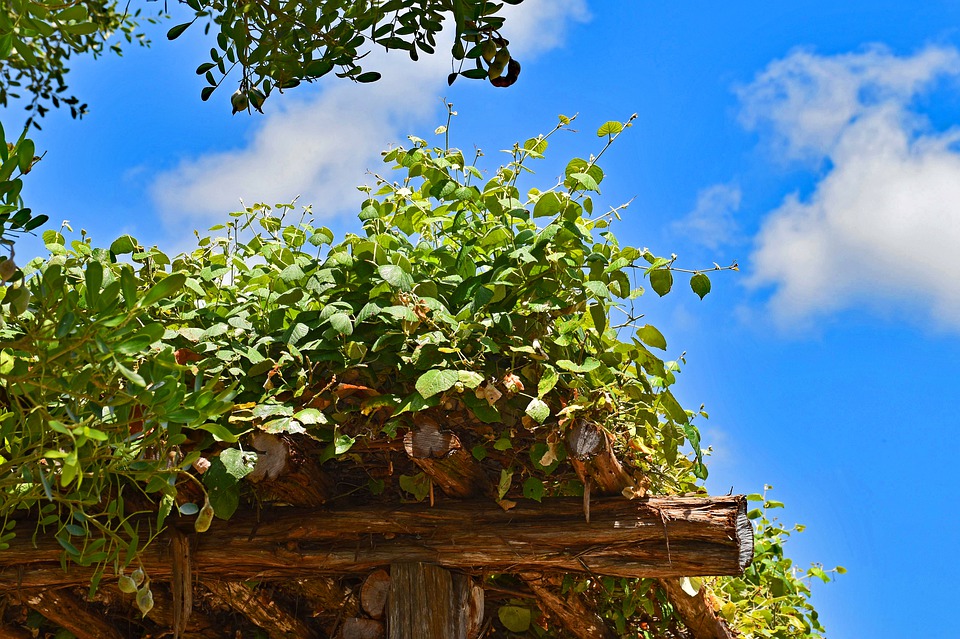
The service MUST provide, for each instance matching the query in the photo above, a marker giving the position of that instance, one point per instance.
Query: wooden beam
(428, 602)
(697, 614)
(579, 619)
(181, 583)
(64, 609)
(261, 610)
(649, 537)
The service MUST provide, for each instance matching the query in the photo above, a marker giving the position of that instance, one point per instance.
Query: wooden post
(429, 602)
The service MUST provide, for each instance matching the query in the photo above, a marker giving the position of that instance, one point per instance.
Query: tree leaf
(588, 365)
(537, 409)
(549, 204)
(611, 127)
(700, 284)
(341, 323)
(514, 618)
(661, 280)
(650, 336)
(177, 31)
(533, 488)
(436, 381)
(547, 381)
(396, 277)
(164, 288)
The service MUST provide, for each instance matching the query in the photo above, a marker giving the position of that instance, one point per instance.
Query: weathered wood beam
(14, 632)
(181, 583)
(429, 602)
(579, 619)
(649, 537)
(696, 612)
(261, 610)
(64, 609)
(200, 626)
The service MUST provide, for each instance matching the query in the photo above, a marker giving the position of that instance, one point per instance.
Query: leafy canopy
(463, 294)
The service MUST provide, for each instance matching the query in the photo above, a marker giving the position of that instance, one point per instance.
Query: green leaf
(318, 68)
(341, 323)
(25, 151)
(417, 485)
(134, 377)
(700, 284)
(514, 618)
(548, 204)
(650, 336)
(503, 486)
(177, 31)
(164, 288)
(396, 277)
(469, 379)
(661, 280)
(369, 76)
(585, 181)
(123, 244)
(597, 289)
(611, 127)
(436, 381)
(588, 365)
(547, 381)
(533, 488)
(93, 280)
(537, 409)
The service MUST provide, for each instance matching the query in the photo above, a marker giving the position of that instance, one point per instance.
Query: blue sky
(814, 142)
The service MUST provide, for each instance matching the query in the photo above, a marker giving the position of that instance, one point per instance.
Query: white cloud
(881, 227)
(320, 147)
(711, 222)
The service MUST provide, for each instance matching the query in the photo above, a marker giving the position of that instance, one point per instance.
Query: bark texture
(428, 602)
(650, 537)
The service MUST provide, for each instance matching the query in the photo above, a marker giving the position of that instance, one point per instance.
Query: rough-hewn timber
(429, 602)
(696, 612)
(650, 537)
(67, 611)
(574, 614)
(259, 608)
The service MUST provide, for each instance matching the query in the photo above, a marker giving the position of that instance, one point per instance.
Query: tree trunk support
(574, 614)
(64, 609)
(261, 610)
(696, 612)
(428, 602)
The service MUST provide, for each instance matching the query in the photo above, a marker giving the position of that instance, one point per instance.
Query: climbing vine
(133, 381)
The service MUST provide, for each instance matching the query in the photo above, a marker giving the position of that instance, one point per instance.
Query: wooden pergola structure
(316, 567)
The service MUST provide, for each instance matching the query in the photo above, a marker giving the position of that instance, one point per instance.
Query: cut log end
(429, 442)
(744, 535)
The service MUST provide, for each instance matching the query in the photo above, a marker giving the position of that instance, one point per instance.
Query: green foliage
(37, 40)
(771, 599)
(277, 45)
(515, 312)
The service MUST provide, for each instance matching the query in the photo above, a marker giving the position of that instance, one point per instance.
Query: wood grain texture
(68, 611)
(428, 602)
(261, 610)
(696, 612)
(649, 537)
